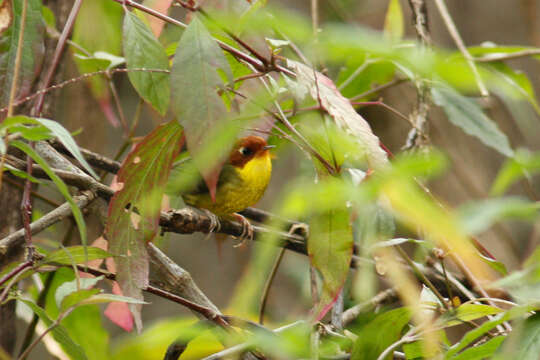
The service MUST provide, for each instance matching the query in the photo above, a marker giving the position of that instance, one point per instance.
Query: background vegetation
(401, 217)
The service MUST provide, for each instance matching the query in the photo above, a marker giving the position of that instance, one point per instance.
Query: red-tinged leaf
(134, 210)
(194, 95)
(161, 6)
(118, 312)
(32, 46)
(323, 90)
(330, 248)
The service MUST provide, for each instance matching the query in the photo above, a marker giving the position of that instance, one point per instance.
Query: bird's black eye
(245, 151)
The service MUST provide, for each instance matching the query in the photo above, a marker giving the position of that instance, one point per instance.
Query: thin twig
(268, 284)
(378, 89)
(511, 56)
(452, 29)
(16, 270)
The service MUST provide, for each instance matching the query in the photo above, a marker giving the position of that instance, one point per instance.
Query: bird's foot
(215, 225)
(247, 230)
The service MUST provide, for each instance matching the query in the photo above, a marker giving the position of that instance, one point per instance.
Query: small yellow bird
(241, 183)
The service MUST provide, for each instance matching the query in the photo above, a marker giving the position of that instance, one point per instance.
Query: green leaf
(478, 216)
(195, 100)
(474, 334)
(59, 332)
(32, 48)
(482, 351)
(143, 177)
(75, 255)
(380, 333)
(77, 298)
(523, 164)
(74, 286)
(106, 298)
(96, 341)
(469, 312)
(65, 138)
(60, 185)
(142, 50)
(21, 174)
(393, 23)
(330, 250)
(467, 115)
(523, 343)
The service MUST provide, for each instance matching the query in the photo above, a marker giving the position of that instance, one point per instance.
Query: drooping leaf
(60, 185)
(380, 333)
(32, 48)
(65, 138)
(142, 50)
(194, 87)
(393, 23)
(59, 332)
(75, 255)
(143, 177)
(339, 108)
(468, 116)
(330, 248)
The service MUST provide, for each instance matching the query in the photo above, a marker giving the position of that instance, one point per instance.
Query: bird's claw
(247, 230)
(215, 225)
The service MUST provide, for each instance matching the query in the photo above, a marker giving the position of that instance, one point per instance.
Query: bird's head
(248, 148)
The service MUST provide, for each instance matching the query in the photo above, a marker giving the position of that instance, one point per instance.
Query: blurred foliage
(361, 202)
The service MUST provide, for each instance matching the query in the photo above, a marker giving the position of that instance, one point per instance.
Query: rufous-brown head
(247, 148)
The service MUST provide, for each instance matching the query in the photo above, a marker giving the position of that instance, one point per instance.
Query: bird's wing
(186, 179)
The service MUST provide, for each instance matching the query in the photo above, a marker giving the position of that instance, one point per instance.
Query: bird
(241, 183)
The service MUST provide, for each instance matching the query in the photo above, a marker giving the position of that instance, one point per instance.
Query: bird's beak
(268, 147)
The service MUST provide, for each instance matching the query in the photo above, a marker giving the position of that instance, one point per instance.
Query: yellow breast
(242, 187)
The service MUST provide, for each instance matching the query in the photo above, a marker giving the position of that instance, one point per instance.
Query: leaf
(474, 334)
(161, 6)
(467, 115)
(330, 250)
(478, 216)
(32, 48)
(75, 255)
(524, 164)
(65, 138)
(195, 101)
(469, 312)
(60, 185)
(96, 341)
(482, 351)
(59, 332)
(393, 22)
(72, 286)
(380, 333)
(106, 298)
(143, 177)
(142, 50)
(339, 108)
(77, 298)
(523, 343)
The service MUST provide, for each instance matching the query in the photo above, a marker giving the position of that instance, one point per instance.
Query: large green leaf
(195, 101)
(467, 115)
(330, 248)
(380, 333)
(142, 50)
(32, 50)
(75, 255)
(134, 210)
(482, 351)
